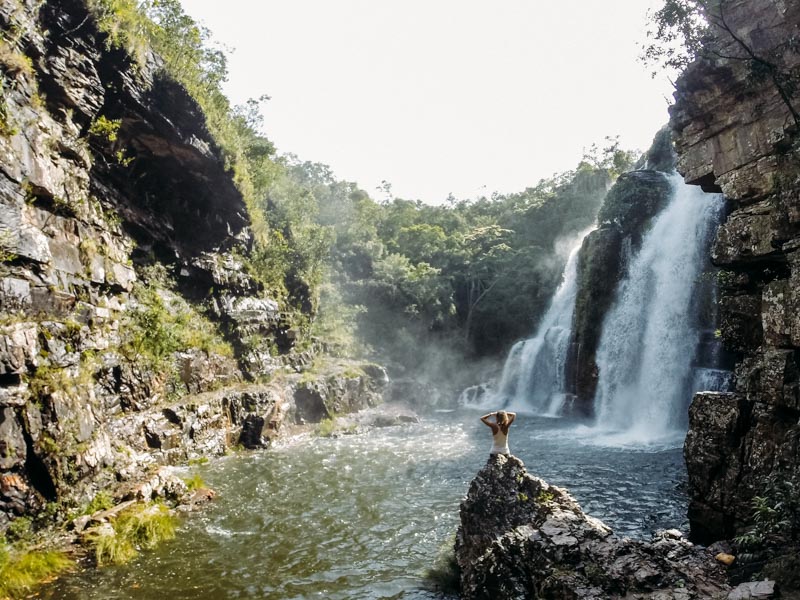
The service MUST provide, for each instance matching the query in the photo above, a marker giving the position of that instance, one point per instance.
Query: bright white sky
(442, 96)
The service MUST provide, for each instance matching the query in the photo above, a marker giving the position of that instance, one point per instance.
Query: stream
(362, 516)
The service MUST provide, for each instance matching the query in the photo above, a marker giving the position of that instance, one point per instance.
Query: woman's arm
(511, 417)
(488, 423)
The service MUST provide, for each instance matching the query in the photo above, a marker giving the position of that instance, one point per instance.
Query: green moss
(21, 569)
(157, 328)
(6, 243)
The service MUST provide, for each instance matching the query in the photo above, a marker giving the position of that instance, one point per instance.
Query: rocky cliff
(735, 132)
(522, 538)
(125, 299)
(625, 215)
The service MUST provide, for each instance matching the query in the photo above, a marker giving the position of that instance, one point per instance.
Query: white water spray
(533, 374)
(650, 336)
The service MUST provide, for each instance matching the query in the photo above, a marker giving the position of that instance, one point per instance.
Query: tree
(686, 30)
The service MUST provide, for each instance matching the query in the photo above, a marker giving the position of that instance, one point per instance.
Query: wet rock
(523, 538)
(624, 218)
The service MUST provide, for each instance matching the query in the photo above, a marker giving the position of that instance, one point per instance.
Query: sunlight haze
(461, 97)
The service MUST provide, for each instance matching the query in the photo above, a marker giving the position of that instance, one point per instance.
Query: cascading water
(650, 336)
(533, 374)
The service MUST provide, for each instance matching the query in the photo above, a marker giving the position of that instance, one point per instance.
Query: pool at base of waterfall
(362, 516)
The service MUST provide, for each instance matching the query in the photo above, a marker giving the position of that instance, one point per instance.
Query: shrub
(105, 129)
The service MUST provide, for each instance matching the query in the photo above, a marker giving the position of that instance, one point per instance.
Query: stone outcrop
(117, 213)
(523, 538)
(734, 133)
(625, 215)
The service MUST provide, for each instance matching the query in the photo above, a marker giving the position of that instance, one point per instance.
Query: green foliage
(773, 538)
(105, 129)
(194, 482)
(102, 501)
(326, 427)
(140, 527)
(685, 30)
(6, 245)
(160, 325)
(545, 496)
(21, 569)
(20, 529)
(291, 245)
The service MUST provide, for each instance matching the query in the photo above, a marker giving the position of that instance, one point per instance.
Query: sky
(439, 97)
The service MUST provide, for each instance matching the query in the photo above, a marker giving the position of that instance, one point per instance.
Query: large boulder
(523, 538)
(627, 212)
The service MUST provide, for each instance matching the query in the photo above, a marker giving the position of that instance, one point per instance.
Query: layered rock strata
(117, 213)
(523, 538)
(735, 132)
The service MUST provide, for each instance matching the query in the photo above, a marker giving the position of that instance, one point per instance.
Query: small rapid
(362, 516)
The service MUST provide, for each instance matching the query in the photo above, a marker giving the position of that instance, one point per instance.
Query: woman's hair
(501, 417)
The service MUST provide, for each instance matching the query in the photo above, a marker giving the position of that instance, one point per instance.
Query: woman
(502, 421)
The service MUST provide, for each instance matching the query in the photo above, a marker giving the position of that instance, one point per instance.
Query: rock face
(117, 212)
(626, 213)
(733, 133)
(521, 538)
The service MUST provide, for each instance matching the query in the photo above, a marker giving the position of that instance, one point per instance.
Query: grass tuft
(195, 482)
(327, 427)
(140, 527)
(21, 570)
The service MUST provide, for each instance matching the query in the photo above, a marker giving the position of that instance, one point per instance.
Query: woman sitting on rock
(502, 421)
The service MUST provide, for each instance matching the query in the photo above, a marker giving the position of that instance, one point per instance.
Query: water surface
(362, 516)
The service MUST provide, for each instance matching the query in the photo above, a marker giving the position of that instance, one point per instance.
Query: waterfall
(650, 336)
(533, 374)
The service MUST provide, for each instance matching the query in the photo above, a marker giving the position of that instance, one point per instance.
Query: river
(362, 516)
